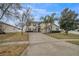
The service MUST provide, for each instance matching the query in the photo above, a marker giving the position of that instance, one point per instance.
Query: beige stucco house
(40, 27)
(49, 26)
(32, 27)
(8, 28)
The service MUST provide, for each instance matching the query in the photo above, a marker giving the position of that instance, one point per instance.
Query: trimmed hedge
(56, 31)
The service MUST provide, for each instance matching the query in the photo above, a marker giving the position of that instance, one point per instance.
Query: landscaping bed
(12, 50)
(56, 31)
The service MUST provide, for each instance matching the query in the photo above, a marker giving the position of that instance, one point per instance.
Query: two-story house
(40, 27)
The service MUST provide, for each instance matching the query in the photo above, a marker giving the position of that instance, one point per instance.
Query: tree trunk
(22, 34)
(66, 31)
(51, 28)
(5, 11)
(46, 28)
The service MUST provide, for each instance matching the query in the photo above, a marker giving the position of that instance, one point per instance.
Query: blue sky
(42, 9)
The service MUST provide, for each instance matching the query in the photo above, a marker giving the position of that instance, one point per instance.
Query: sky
(42, 9)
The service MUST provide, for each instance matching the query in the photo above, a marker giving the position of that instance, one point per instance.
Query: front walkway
(43, 45)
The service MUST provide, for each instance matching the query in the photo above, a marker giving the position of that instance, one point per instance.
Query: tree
(21, 21)
(49, 19)
(23, 18)
(44, 20)
(7, 9)
(67, 20)
(29, 18)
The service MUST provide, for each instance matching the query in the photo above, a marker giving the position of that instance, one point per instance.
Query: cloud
(39, 10)
(37, 13)
(42, 12)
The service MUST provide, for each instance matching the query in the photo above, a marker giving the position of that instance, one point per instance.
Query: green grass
(74, 42)
(63, 36)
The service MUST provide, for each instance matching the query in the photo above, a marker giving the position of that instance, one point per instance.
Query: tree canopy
(8, 9)
(67, 20)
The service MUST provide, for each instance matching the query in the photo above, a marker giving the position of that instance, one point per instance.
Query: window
(0, 26)
(34, 24)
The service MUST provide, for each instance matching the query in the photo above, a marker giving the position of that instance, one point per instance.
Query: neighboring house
(8, 28)
(32, 27)
(55, 27)
(49, 28)
(40, 27)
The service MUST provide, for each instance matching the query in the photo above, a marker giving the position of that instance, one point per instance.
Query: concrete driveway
(43, 45)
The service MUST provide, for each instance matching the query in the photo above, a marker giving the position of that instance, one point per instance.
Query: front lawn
(71, 38)
(5, 36)
(74, 42)
(12, 50)
(13, 37)
(63, 36)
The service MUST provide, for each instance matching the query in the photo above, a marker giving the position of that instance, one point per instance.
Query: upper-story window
(28, 24)
(0, 26)
(34, 24)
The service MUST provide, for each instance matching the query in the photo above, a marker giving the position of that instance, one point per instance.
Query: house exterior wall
(0, 26)
(55, 28)
(35, 27)
(8, 28)
(32, 27)
(43, 29)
